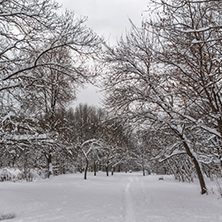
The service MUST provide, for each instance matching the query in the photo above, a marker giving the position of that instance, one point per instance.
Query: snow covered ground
(125, 197)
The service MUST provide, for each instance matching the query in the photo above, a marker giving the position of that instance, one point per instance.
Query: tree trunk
(107, 171)
(49, 164)
(144, 174)
(94, 168)
(86, 169)
(112, 171)
(200, 176)
(198, 169)
(220, 142)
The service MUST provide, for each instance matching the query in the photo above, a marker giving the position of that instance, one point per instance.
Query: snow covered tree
(85, 123)
(146, 145)
(116, 132)
(43, 58)
(169, 72)
(138, 89)
(31, 30)
(189, 33)
(88, 147)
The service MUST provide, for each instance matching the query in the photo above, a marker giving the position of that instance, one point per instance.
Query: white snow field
(124, 197)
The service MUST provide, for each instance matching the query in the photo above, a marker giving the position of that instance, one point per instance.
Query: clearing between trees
(124, 197)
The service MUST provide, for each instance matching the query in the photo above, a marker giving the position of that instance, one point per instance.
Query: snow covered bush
(15, 174)
(34, 174)
(7, 216)
(11, 174)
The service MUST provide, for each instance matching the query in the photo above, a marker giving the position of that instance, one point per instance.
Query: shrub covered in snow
(7, 216)
(11, 174)
(15, 174)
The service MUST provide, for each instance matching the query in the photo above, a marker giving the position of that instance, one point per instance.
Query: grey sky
(108, 18)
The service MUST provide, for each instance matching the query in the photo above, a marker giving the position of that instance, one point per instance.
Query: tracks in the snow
(129, 209)
(135, 199)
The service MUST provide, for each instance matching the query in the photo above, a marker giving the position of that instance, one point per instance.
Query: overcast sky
(108, 18)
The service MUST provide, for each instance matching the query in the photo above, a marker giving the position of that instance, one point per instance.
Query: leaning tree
(137, 89)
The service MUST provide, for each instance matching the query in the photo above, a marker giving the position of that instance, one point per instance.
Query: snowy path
(151, 200)
(121, 198)
(129, 210)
